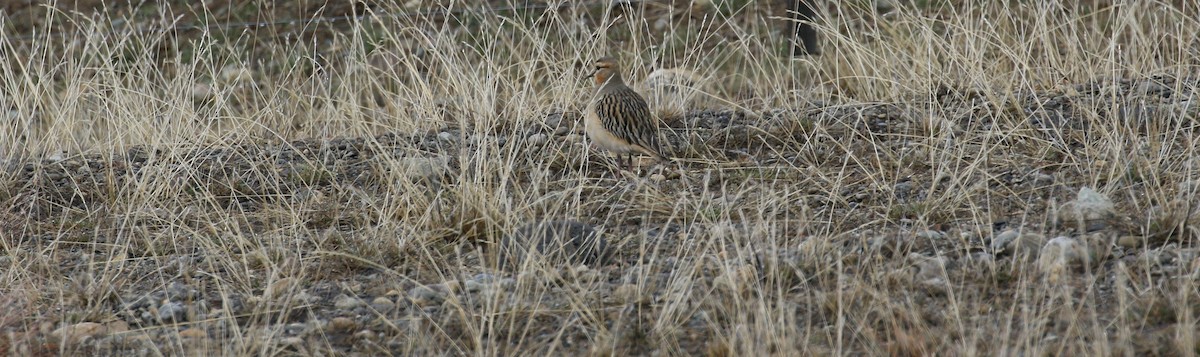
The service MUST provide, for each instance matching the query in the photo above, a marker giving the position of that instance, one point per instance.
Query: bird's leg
(617, 165)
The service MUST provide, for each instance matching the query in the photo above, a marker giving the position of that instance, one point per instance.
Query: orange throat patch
(601, 77)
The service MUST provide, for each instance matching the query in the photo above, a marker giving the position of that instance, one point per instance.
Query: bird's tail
(658, 154)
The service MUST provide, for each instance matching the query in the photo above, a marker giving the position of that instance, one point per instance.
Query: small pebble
(279, 288)
(484, 278)
(366, 335)
(292, 341)
(347, 303)
(1129, 242)
(79, 332)
(172, 312)
(193, 333)
(425, 295)
(295, 329)
(931, 234)
(382, 304)
(1059, 254)
(473, 286)
(341, 325)
(537, 139)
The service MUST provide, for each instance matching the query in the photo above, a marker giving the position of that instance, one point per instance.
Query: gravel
(359, 307)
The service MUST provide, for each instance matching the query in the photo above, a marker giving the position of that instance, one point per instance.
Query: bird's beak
(591, 75)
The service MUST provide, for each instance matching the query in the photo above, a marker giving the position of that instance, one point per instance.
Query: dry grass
(263, 179)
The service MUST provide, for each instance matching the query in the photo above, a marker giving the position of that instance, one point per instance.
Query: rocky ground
(972, 221)
(1048, 225)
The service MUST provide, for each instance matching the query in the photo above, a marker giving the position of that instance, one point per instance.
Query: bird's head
(606, 69)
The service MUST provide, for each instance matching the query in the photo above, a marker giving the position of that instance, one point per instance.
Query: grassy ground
(951, 179)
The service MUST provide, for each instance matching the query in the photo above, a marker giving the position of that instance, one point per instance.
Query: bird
(618, 118)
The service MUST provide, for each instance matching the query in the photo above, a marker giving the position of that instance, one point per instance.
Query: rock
(554, 119)
(364, 335)
(57, 156)
(295, 329)
(1089, 211)
(561, 122)
(303, 297)
(538, 139)
(473, 286)
(508, 283)
(484, 278)
(1000, 241)
(295, 342)
(341, 325)
(424, 167)
(117, 326)
(1018, 243)
(931, 234)
(347, 303)
(172, 312)
(585, 273)
(1129, 241)
(559, 242)
(927, 267)
(902, 189)
(1156, 257)
(1098, 246)
(449, 286)
(1059, 254)
(425, 295)
(984, 258)
(279, 288)
(112, 342)
(382, 304)
(481, 284)
(80, 332)
(1042, 178)
(888, 244)
(930, 272)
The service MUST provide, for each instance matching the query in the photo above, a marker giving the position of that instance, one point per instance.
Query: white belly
(603, 138)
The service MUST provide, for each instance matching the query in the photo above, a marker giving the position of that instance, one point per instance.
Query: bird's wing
(626, 114)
